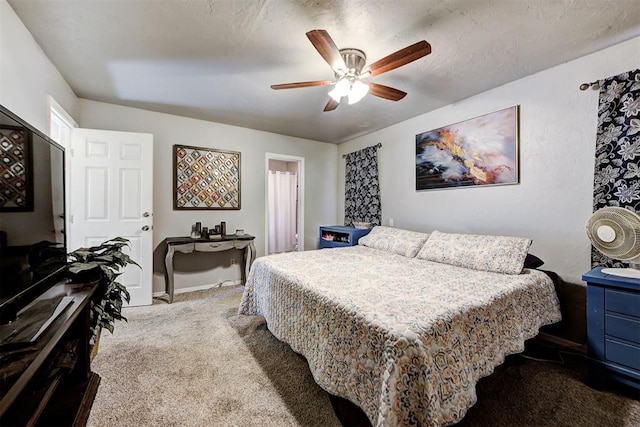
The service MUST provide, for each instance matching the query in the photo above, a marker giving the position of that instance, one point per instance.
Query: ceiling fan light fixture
(343, 88)
(348, 67)
(358, 91)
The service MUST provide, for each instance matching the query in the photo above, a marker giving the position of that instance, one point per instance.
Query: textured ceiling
(216, 59)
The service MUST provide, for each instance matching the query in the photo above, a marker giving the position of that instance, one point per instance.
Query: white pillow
(499, 254)
(394, 240)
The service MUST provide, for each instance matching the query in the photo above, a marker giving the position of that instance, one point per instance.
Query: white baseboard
(200, 287)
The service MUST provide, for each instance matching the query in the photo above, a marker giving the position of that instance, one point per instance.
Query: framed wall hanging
(16, 177)
(205, 178)
(476, 152)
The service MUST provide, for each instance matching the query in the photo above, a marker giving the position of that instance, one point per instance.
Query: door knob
(146, 214)
(145, 228)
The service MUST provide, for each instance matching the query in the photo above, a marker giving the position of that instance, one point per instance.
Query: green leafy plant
(104, 263)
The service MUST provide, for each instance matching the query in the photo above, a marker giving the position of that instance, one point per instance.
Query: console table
(187, 245)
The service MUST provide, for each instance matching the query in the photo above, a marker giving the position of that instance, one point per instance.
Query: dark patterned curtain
(361, 188)
(617, 173)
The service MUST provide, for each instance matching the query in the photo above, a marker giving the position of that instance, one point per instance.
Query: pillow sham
(394, 240)
(532, 261)
(498, 254)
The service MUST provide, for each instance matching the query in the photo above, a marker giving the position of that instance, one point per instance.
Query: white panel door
(111, 195)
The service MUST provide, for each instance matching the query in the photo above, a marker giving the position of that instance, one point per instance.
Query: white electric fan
(615, 232)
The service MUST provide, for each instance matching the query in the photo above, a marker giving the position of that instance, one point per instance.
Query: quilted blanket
(403, 338)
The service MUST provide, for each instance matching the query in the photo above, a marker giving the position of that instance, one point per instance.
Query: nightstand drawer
(613, 328)
(620, 327)
(622, 354)
(622, 302)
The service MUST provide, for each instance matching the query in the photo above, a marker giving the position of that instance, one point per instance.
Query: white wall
(167, 130)
(557, 141)
(551, 204)
(283, 166)
(27, 76)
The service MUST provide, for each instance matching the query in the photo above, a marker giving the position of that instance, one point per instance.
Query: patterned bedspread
(403, 338)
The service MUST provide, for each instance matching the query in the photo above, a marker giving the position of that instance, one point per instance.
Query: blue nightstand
(613, 329)
(338, 236)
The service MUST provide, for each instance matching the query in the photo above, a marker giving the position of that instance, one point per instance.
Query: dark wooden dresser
(49, 381)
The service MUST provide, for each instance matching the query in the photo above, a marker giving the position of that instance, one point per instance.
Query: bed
(405, 323)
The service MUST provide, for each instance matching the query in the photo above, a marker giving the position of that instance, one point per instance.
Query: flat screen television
(33, 249)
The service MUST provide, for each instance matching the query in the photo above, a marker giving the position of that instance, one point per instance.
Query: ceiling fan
(348, 68)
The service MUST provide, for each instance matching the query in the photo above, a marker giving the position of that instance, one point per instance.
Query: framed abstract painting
(477, 152)
(205, 178)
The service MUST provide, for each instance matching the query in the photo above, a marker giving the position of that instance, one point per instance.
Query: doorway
(60, 126)
(284, 196)
(110, 195)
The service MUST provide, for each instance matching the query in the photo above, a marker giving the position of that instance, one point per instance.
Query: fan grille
(625, 240)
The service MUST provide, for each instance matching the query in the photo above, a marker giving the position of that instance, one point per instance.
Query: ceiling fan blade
(302, 84)
(325, 46)
(385, 92)
(399, 58)
(331, 105)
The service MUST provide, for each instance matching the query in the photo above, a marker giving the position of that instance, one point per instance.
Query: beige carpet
(196, 363)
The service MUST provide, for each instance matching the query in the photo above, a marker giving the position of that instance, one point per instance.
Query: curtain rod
(593, 85)
(379, 144)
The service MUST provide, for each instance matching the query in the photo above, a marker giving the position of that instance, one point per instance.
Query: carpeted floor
(196, 363)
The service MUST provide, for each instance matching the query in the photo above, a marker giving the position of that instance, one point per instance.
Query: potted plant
(103, 263)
